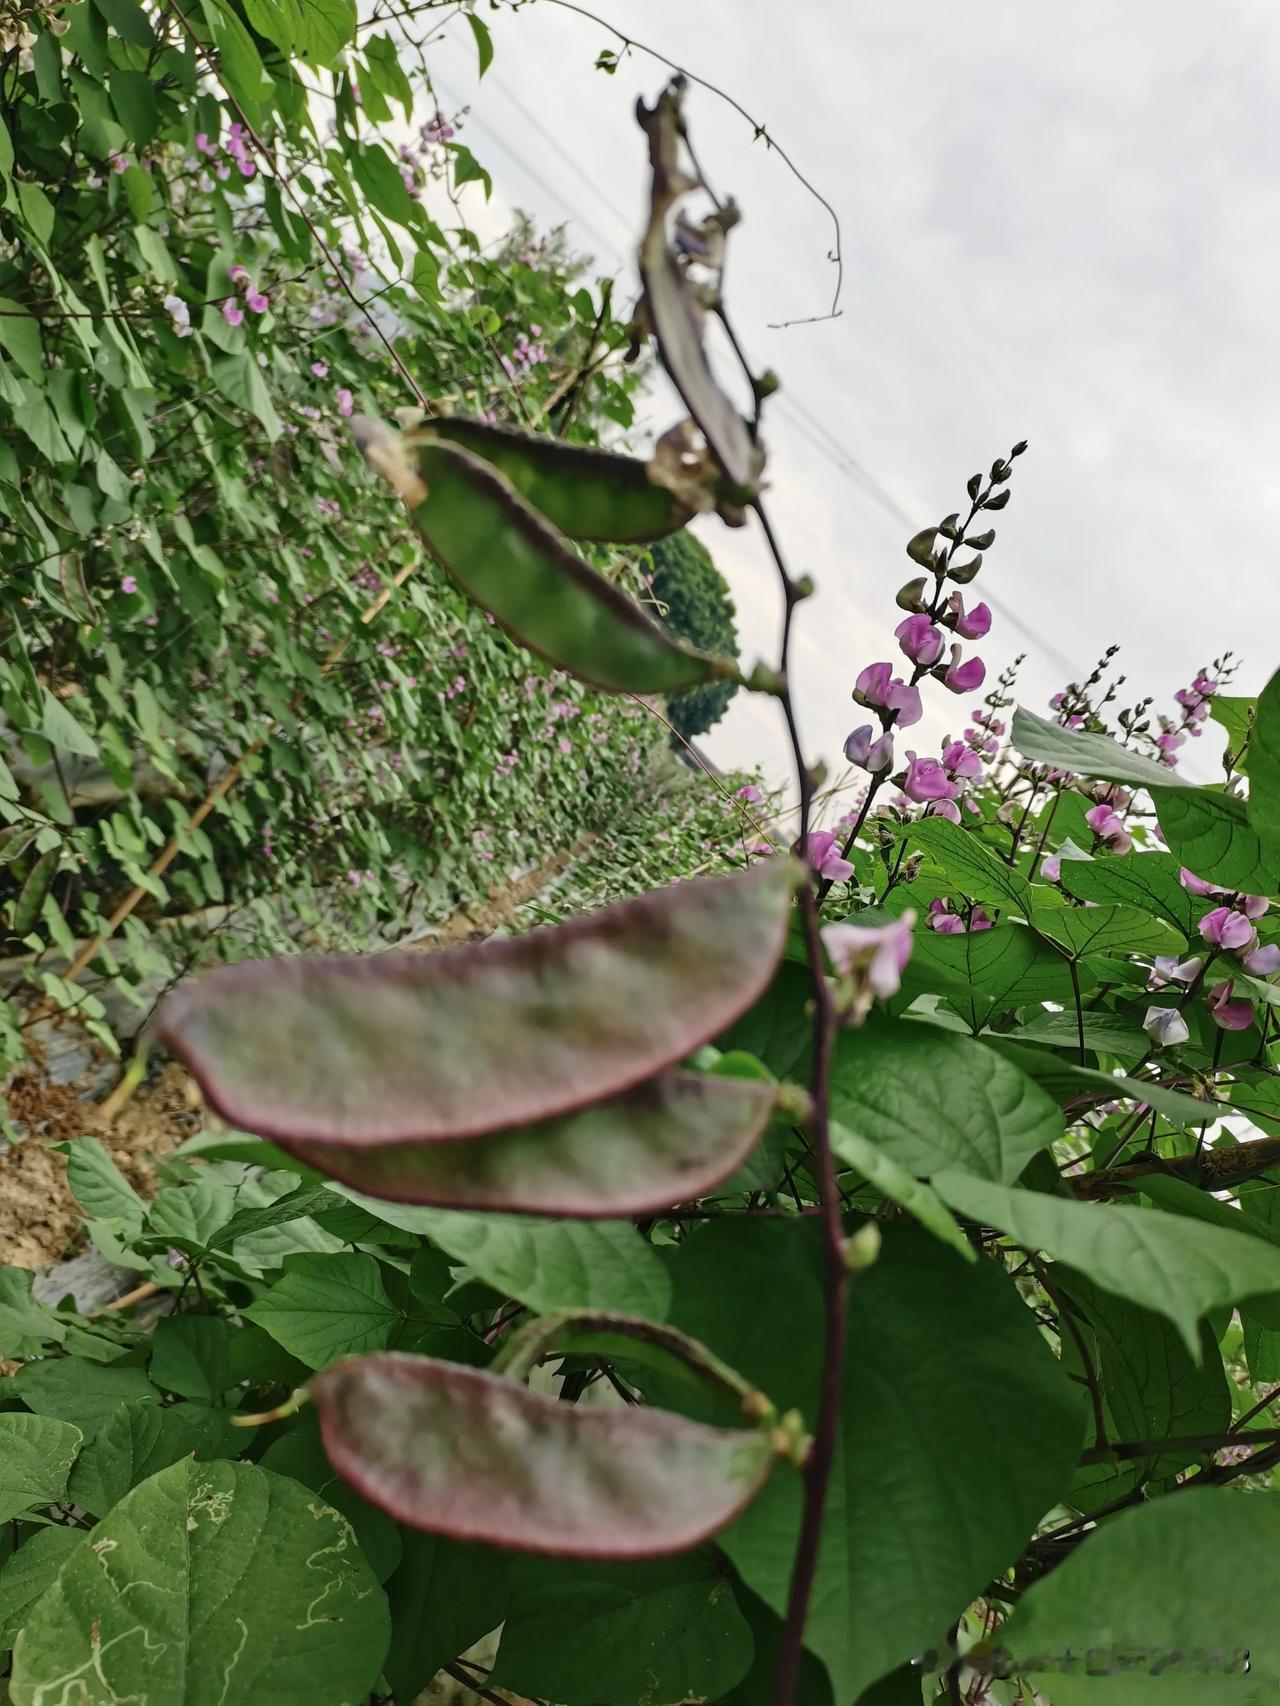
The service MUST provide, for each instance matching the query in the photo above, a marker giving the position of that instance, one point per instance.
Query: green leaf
(1146, 880)
(552, 1265)
(1105, 1033)
(896, 1184)
(515, 565)
(83, 1393)
(1175, 1266)
(299, 1454)
(1184, 1586)
(484, 41)
(61, 729)
(1209, 832)
(989, 970)
(99, 1186)
(966, 863)
(239, 378)
(1066, 1082)
(930, 1099)
(313, 30)
(26, 1327)
(622, 1634)
(922, 1513)
(26, 1575)
(37, 211)
(379, 178)
(134, 1442)
(225, 1582)
(445, 1596)
(239, 64)
(190, 1356)
(31, 896)
(1107, 930)
(1264, 771)
(20, 338)
(296, 1204)
(36, 1454)
(133, 97)
(1088, 754)
(327, 1307)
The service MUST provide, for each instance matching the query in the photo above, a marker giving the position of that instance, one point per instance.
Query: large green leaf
(897, 1184)
(26, 1326)
(1107, 930)
(931, 1099)
(989, 971)
(36, 1454)
(1147, 880)
(410, 1047)
(622, 1634)
(927, 1501)
(100, 1187)
(1264, 771)
(221, 1582)
(1087, 754)
(475, 1456)
(312, 30)
(1165, 1262)
(28, 1572)
(1186, 1586)
(80, 1392)
(299, 1454)
(134, 1442)
(1209, 832)
(552, 1264)
(444, 1596)
(327, 1306)
(972, 870)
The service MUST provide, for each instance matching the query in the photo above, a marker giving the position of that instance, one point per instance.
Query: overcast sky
(1058, 224)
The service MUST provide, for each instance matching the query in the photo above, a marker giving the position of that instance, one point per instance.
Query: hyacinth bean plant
(852, 1275)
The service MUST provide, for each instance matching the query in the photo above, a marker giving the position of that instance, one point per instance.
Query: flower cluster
(526, 354)
(1194, 703)
(235, 153)
(1229, 929)
(1104, 818)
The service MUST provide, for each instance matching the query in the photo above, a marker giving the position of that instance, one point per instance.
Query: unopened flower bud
(911, 596)
(863, 1248)
(963, 573)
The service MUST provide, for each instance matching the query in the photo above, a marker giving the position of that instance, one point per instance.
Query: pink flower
(203, 145)
(926, 780)
(959, 761)
(874, 955)
(1051, 868)
(1223, 928)
(1197, 885)
(232, 312)
(1167, 968)
(238, 274)
(129, 584)
(1165, 1026)
(822, 852)
(1252, 905)
(920, 640)
(1204, 684)
(944, 920)
(972, 625)
(945, 808)
(1104, 822)
(1263, 962)
(868, 753)
(873, 683)
(320, 369)
(964, 677)
(877, 685)
(1231, 1015)
(346, 402)
(256, 301)
(751, 794)
(904, 701)
(1057, 702)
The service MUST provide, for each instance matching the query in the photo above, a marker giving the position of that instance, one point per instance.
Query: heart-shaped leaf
(466, 1453)
(405, 1048)
(586, 493)
(514, 564)
(669, 1140)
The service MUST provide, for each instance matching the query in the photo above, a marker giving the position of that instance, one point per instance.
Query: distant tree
(699, 609)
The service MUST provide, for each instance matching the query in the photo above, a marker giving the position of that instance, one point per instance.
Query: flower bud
(963, 573)
(911, 596)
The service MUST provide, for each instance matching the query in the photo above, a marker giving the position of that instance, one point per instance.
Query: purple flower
(1263, 962)
(920, 640)
(964, 677)
(1224, 928)
(1057, 702)
(232, 312)
(1167, 968)
(238, 274)
(129, 584)
(1204, 684)
(1252, 905)
(1197, 885)
(873, 683)
(751, 794)
(926, 780)
(203, 145)
(970, 625)
(1051, 868)
(1165, 1026)
(904, 701)
(868, 753)
(256, 301)
(877, 685)
(180, 314)
(944, 808)
(944, 919)
(959, 761)
(346, 402)
(1231, 1015)
(822, 851)
(873, 955)
(320, 369)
